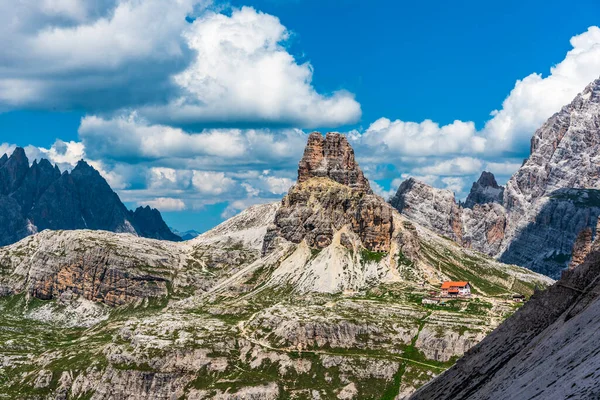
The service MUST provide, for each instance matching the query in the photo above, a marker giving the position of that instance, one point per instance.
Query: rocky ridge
(550, 202)
(38, 197)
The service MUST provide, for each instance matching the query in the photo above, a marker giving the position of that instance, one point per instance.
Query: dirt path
(244, 334)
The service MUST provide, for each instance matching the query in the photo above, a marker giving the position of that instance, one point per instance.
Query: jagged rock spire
(331, 157)
(315, 209)
(485, 190)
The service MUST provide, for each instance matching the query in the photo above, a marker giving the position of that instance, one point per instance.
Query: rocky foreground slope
(546, 216)
(38, 197)
(547, 350)
(317, 297)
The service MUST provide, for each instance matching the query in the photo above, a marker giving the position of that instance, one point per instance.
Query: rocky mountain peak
(13, 171)
(149, 223)
(332, 195)
(433, 208)
(487, 179)
(38, 197)
(485, 190)
(331, 157)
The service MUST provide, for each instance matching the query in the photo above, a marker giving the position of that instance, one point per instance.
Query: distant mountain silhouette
(38, 197)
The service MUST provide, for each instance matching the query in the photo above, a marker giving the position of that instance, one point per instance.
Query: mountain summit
(485, 190)
(332, 201)
(332, 157)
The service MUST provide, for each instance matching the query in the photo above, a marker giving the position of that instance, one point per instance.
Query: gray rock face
(40, 197)
(546, 244)
(547, 350)
(564, 155)
(432, 208)
(485, 190)
(98, 266)
(533, 222)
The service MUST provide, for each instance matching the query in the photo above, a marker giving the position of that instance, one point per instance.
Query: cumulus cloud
(91, 55)
(211, 182)
(454, 166)
(535, 98)
(454, 184)
(242, 74)
(422, 139)
(131, 139)
(64, 154)
(165, 204)
(6, 148)
(118, 55)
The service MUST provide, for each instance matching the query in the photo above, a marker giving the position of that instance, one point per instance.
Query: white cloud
(210, 182)
(243, 74)
(454, 166)
(6, 148)
(119, 55)
(64, 154)
(536, 98)
(277, 185)
(133, 139)
(165, 204)
(421, 139)
(105, 54)
(454, 184)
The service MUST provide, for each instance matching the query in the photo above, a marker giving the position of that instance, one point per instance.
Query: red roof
(448, 285)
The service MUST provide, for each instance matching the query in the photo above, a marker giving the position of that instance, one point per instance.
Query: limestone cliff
(433, 208)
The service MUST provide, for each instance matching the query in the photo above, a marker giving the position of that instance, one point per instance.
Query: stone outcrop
(97, 266)
(332, 157)
(432, 208)
(582, 247)
(38, 197)
(485, 190)
(331, 193)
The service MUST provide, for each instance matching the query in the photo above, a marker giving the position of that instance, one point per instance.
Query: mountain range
(38, 196)
(545, 217)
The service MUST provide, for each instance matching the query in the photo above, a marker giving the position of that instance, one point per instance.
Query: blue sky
(180, 119)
